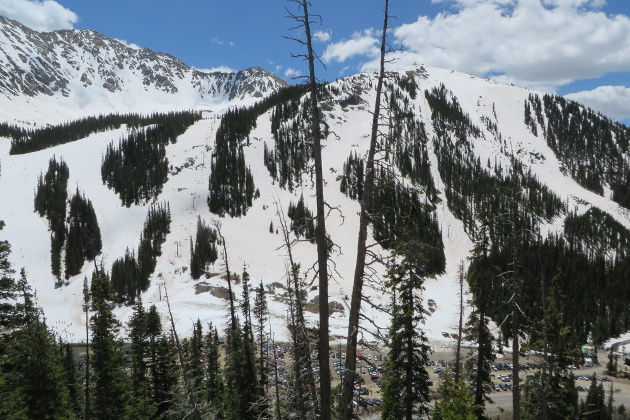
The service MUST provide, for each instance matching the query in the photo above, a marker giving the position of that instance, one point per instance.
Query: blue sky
(576, 48)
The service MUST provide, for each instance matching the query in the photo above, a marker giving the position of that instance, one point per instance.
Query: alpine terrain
(164, 176)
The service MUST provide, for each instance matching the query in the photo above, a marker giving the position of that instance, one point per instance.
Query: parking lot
(370, 369)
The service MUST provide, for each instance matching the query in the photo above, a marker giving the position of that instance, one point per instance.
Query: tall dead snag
(517, 243)
(86, 307)
(191, 396)
(304, 21)
(217, 226)
(460, 325)
(364, 220)
(303, 368)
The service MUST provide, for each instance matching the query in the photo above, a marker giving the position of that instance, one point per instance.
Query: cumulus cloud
(218, 41)
(42, 16)
(220, 69)
(612, 101)
(127, 44)
(360, 44)
(323, 36)
(292, 73)
(533, 43)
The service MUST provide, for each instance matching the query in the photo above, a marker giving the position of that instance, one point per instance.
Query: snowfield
(249, 242)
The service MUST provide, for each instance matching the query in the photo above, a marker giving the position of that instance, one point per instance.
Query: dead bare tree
(191, 396)
(460, 325)
(86, 308)
(217, 226)
(364, 220)
(304, 375)
(517, 236)
(304, 22)
(275, 370)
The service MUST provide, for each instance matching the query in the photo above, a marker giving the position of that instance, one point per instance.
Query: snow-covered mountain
(54, 76)
(79, 73)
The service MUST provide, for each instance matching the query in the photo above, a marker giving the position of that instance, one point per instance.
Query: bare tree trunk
(301, 345)
(275, 369)
(190, 392)
(516, 288)
(482, 338)
(86, 306)
(364, 220)
(320, 230)
(460, 326)
(543, 371)
(217, 226)
(516, 391)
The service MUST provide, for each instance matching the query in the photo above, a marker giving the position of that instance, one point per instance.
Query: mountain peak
(88, 72)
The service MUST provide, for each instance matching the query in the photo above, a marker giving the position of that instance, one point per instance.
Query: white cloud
(292, 73)
(323, 36)
(361, 44)
(134, 46)
(220, 69)
(43, 16)
(612, 101)
(534, 43)
(218, 41)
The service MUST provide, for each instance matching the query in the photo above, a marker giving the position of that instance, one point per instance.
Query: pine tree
(551, 392)
(33, 382)
(456, 403)
(8, 285)
(406, 392)
(240, 377)
(214, 386)
(141, 404)
(204, 251)
(261, 313)
(248, 328)
(195, 353)
(594, 406)
(481, 273)
(73, 381)
(164, 373)
(110, 387)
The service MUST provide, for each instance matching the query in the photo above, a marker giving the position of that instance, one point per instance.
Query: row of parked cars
(510, 366)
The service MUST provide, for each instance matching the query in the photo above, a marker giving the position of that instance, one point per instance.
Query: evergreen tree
(141, 404)
(248, 328)
(481, 273)
(406, 392)
(153, 330)
(164, 373)
(51, 201)
(594, 406)
(110, 386)
(195, 353)
(551, 392)
(73, 381)
(33, 384)
(8, 285)
(231, 184)
(456, 403)
(261, 313)
(240, 377)
(214, 386)
(302, 221)
(204, 251)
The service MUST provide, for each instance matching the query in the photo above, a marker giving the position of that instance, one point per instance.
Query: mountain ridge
(83, 69)
(438, 122)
